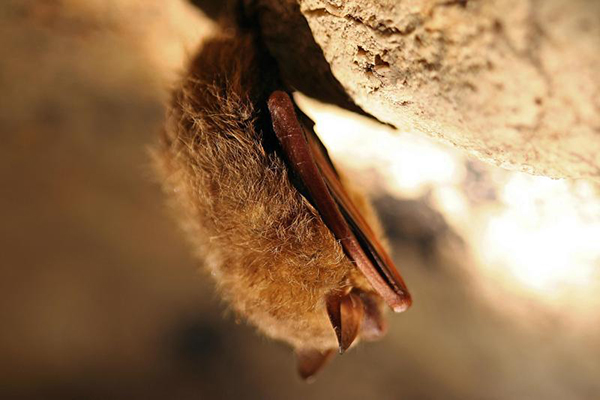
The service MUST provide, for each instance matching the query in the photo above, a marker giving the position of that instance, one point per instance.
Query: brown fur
(271, 255)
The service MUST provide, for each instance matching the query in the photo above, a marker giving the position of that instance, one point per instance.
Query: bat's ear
(311, 361)
(373, 326)
(346, 315)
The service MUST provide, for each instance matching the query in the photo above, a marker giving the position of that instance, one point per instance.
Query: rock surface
(514, 83)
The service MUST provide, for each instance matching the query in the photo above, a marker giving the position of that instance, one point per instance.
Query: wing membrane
(308, 158)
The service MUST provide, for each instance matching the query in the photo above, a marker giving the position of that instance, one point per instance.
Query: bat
(293, 248)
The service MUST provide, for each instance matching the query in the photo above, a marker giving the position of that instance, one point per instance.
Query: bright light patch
(546, 236)
(531, 236)
(408, 164)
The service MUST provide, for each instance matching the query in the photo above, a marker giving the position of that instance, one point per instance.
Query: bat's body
(271, 252)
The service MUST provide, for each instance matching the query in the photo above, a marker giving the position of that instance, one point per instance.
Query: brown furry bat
(255, 217)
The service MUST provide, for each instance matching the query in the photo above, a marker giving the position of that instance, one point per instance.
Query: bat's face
(291, 248)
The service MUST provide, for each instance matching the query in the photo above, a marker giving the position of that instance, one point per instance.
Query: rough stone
(515, 83)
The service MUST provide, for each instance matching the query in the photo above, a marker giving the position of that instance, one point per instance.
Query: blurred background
(100, 297)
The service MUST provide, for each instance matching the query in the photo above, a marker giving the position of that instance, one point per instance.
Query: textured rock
(513, 82)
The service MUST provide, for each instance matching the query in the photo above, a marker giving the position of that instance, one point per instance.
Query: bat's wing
(309, 160)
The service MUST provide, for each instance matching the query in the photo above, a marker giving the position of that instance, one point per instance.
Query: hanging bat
(293, 249)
